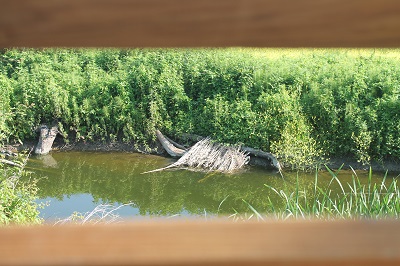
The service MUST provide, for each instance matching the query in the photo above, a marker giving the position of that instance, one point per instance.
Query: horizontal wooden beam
(213, 243)
(183, 23)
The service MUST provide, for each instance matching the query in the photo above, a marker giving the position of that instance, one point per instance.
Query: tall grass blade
(220, 204)
(334, 177)
(254, 210)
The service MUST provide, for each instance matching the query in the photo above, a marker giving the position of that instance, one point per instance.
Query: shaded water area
(80, 181)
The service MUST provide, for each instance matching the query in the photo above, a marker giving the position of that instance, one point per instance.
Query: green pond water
(80, 181)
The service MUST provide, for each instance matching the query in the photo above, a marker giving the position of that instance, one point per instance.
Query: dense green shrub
(300, 103)
(17, 199)
(5, 111)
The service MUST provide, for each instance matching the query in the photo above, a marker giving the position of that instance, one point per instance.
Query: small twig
(11, 163)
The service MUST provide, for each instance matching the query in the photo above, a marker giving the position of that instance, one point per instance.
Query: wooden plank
(212, 243)
(183, 23)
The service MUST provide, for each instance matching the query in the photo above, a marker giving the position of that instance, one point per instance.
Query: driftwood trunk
(169, 147)
(269, 159)
(209, 156)
(265, 155)
(177, 150)
(46, 139)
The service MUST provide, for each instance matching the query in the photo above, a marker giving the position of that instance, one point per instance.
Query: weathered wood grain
(183, 23)
(211, 243)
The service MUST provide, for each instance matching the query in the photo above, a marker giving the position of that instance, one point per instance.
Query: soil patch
(389, 164)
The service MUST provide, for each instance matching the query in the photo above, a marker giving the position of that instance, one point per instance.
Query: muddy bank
(60, 145)
(390, 164)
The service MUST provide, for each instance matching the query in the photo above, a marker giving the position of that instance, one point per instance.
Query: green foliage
(5, 110)
(300, 104)
(354, 200)
(296, 147)
(17, 199)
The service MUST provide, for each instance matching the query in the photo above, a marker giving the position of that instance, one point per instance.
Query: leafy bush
(299, 103)
(5, 110)
(17, 199)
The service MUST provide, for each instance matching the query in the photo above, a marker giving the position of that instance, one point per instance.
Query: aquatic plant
(103, 213)
(377, 201)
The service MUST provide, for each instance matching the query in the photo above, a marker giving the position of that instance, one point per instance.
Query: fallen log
(211, 156)
(168, 146)
(271, 158)
(46, 139)
(262, 154)
(177, 144)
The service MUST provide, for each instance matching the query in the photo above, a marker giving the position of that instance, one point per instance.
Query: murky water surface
(80, 181)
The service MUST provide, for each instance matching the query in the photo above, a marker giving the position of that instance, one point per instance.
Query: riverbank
(389, 164)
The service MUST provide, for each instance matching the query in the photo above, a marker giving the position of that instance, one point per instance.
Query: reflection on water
(47, 160)
(79, 181)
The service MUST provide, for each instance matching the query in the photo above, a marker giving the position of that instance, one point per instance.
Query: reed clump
(353, 201)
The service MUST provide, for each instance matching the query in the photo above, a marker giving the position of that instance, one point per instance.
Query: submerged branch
(160, 169)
